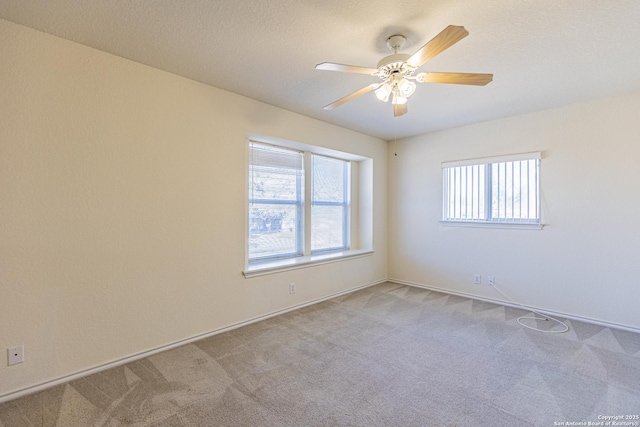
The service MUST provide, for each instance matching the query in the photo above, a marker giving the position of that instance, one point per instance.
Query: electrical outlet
(477, 279)
(292, 288)
(490, 280)
(15, 355)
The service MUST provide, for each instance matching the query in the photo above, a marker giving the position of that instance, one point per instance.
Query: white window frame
(360, 232)
(345, 203)
(298, 203)
(480, 184)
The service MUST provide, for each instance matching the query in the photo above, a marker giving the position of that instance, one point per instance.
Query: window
(276, 194)
(329, 203)
(287, 219)
(498, 190)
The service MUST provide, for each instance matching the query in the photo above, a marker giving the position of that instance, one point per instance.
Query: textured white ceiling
(543, 53)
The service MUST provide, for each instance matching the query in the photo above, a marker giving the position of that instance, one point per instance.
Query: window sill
(270, 267)
(480, 224)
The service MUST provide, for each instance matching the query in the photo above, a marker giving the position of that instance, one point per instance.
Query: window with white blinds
(276, 194)
(503, 189)
(283, 223)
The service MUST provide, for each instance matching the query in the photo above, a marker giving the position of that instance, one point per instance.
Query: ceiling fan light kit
(396, 70)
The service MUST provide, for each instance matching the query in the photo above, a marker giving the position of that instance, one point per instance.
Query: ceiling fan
(396, 70)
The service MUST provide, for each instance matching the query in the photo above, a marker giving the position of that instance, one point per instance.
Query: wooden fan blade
(443, 41)
(353, 95)
(400, 109)
(330, 66)
(457, 78)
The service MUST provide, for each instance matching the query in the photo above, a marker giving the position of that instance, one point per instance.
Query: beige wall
(122, 208)
(585, 262)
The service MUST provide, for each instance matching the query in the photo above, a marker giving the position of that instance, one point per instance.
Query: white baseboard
(518, 305)
(128, 359)
(112, 364)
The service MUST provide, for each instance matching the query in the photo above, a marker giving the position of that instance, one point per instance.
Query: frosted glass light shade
(383, 92)
(406, 87)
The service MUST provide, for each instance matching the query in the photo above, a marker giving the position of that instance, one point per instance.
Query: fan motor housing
(396, 63)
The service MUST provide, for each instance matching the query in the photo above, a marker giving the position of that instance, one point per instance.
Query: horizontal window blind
(275, 157)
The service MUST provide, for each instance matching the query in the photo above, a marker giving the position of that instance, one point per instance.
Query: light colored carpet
(388, 355)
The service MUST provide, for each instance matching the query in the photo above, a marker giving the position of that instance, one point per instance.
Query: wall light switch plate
(15, 355)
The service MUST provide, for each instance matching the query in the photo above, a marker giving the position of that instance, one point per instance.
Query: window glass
(329, 204)
(504, 191)
(277, 205)
(276, 188)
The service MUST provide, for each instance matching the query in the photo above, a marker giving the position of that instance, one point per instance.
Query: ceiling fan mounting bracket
(395, 63)
(396, 42)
